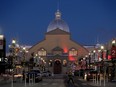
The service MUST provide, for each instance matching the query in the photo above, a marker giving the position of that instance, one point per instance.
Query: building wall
(62, 41)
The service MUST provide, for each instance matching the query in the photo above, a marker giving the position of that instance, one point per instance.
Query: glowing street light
(13, 41)
(102, 47)
(113, 41)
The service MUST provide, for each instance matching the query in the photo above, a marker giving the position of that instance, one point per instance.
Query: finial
(58, 15)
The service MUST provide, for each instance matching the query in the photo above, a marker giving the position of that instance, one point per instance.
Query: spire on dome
(58, 22)
(58, 13)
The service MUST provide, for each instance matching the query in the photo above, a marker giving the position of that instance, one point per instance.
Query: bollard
(85, 77)
(94, 78)
(107, 78)
(29, 80)
(12, 82)
(100, 79)
(104, 80)
(97, 78)
(34, 78)
(21, 79)
(25, 80)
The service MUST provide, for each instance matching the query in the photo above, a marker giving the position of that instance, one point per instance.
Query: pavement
(104, 84)
(4, 81)
(97, 84)
(58, 78)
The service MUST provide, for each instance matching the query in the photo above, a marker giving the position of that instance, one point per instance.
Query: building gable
(57, 31)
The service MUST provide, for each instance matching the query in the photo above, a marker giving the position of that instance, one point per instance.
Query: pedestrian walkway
(4, 81)
(106, 84)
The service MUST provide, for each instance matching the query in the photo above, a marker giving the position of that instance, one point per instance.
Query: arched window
(42, 52)
(72, 52)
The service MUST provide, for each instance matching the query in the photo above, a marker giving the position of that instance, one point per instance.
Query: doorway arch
(57, 66)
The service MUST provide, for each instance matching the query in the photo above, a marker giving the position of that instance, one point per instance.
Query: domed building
(57, 52)
(58, 23)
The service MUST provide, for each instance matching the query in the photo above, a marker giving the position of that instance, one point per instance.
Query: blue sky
(27, 20)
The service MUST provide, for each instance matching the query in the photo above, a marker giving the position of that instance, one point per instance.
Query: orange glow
(71, 58)
(65, 50)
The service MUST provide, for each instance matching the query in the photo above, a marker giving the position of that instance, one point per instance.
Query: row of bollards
(31, 78)
(97, 79)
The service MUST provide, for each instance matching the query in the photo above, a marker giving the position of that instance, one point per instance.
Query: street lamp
(12, 48)
(103, 63)
(86, 60)
(113, 42)
(94, 53)
(113, 56)
(13, 41)
(24, 51)
(102, 51)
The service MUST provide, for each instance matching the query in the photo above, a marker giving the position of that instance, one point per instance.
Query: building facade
(57, 52)
(2, 53)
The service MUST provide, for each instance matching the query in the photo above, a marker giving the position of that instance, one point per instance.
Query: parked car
(34, 74)
(89, 74)
(46, 73)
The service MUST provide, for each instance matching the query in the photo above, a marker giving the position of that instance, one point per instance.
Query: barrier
(94, 78)
(31, 79)
(97, 79)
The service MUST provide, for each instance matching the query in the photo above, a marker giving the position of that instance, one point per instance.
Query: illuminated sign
(113, 52)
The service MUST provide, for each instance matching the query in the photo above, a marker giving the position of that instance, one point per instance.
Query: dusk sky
(27, 20)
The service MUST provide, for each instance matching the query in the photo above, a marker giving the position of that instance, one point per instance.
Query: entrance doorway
(57, 67)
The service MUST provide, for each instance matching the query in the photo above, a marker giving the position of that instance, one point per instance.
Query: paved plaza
(57, 81)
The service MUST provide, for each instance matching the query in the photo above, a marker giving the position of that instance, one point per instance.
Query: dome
(58, 23)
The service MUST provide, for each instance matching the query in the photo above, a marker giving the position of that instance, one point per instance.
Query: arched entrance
(57, 66)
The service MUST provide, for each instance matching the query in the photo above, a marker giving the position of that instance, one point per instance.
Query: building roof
(57, 31)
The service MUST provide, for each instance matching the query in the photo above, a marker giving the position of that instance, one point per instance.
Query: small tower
(58, 14)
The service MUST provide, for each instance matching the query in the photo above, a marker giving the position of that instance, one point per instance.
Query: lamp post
(103, 63)
(113, 57)
(86, 61)
(102, 51)
(12, 48)
(24, 51)
(24, 54)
